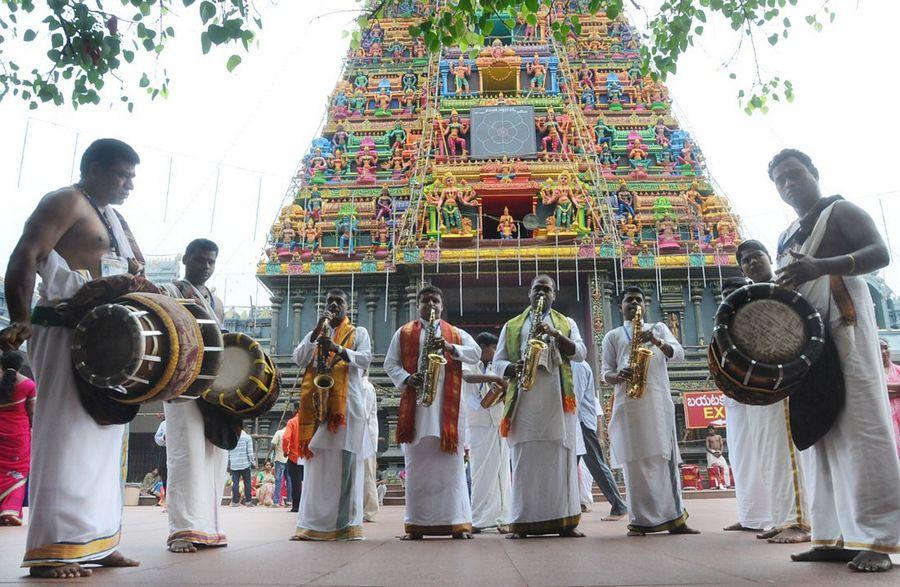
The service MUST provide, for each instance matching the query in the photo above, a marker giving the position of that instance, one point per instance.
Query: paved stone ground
(260, 554)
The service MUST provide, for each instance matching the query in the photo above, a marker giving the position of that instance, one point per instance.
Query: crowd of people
(528, 396)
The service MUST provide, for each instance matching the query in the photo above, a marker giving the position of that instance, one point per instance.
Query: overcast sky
(223, 142)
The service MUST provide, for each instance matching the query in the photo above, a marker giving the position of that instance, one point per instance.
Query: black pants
(295, 472)
(236, 476)
(596, 464)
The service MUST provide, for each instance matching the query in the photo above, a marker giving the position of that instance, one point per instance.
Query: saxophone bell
(431, 360)
(534, 347)
(639, 361)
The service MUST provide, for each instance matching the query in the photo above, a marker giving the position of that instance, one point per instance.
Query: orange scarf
(409, 357)
(343, 335)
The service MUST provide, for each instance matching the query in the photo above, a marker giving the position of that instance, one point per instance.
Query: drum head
(237, 364)
(108, 347)
(768, 330)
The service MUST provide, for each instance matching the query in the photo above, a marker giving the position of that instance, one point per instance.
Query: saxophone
(639, 361)
(534, 347)
(430, 360)
(323, 381)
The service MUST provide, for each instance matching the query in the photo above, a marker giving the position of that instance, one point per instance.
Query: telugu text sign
(702, 408)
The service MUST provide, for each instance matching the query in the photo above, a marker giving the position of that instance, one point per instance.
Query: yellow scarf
(343, 335)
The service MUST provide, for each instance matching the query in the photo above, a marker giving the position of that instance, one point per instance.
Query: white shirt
(645, 427)
(280, 457)
(349, 437)
(583, 381)
(539, 414)
(428, 420)
(473, 393)
(371, 417)
(160, 436)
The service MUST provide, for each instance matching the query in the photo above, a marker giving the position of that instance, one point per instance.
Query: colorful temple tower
(475, 172)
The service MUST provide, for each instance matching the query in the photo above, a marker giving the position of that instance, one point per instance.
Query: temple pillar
(412, 305)
(371, 308)
(697, 299)
(297, 306)
(394, 302)
(276, 300)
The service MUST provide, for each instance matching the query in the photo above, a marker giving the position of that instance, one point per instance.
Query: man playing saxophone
(642, 428)
(541, 424)
(332, 424)
(430, 430)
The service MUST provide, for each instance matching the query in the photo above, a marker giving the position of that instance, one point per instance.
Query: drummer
(771, 471)
(196, 466)
(852, 471)
(72, 236)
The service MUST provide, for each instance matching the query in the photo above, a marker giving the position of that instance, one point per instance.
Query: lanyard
(113, 241)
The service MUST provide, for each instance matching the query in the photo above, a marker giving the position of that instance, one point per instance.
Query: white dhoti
(719, 461)
(437, 498)
(489, 464)
(585, 484)
(76, 481)
(370, 489)
(654, 494)
(751, 490)
(75, 486)
(851, 473)
(545, 494)
(331, 503)
(776, 465)
(196, 480)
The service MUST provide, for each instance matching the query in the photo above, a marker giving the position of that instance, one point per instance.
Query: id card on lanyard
(111, 264)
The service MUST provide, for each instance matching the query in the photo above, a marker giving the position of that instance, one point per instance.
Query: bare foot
(790, 536)
(585, 509)
(411, 536)
(635, 533)
(824, 555)
(182, 546)
(613, 517)
(571, 533)
(503, 529)
(116, 560)
(768, 534)
(69, 571)
(737, 527)
(683, 529)
(870, 562)
(517, 536)
(296, 538)
(462, 536)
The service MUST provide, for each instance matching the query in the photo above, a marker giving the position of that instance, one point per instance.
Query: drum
(765, 339)
(143, 347)
(248, 382)
(213, 345)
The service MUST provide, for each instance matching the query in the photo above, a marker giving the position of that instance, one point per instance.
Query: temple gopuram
(475, 171)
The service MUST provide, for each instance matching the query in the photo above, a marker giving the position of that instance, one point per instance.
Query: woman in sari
(16, 412)
(265, 491)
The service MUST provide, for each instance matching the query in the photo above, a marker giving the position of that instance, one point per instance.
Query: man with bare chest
(715, 454)
(851, 472)
(75, 491)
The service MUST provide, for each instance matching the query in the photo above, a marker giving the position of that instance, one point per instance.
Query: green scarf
(513, 352)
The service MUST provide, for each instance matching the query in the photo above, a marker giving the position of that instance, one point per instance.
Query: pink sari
(15, 451)
(893, 376)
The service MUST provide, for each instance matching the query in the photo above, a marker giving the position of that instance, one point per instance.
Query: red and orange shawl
(409, 357)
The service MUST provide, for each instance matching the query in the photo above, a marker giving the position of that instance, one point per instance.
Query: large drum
(766, 338)
(248, 382)
(213, 346)
(142, 347)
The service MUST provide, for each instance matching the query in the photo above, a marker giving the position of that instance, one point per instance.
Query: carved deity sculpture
(507, 225)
